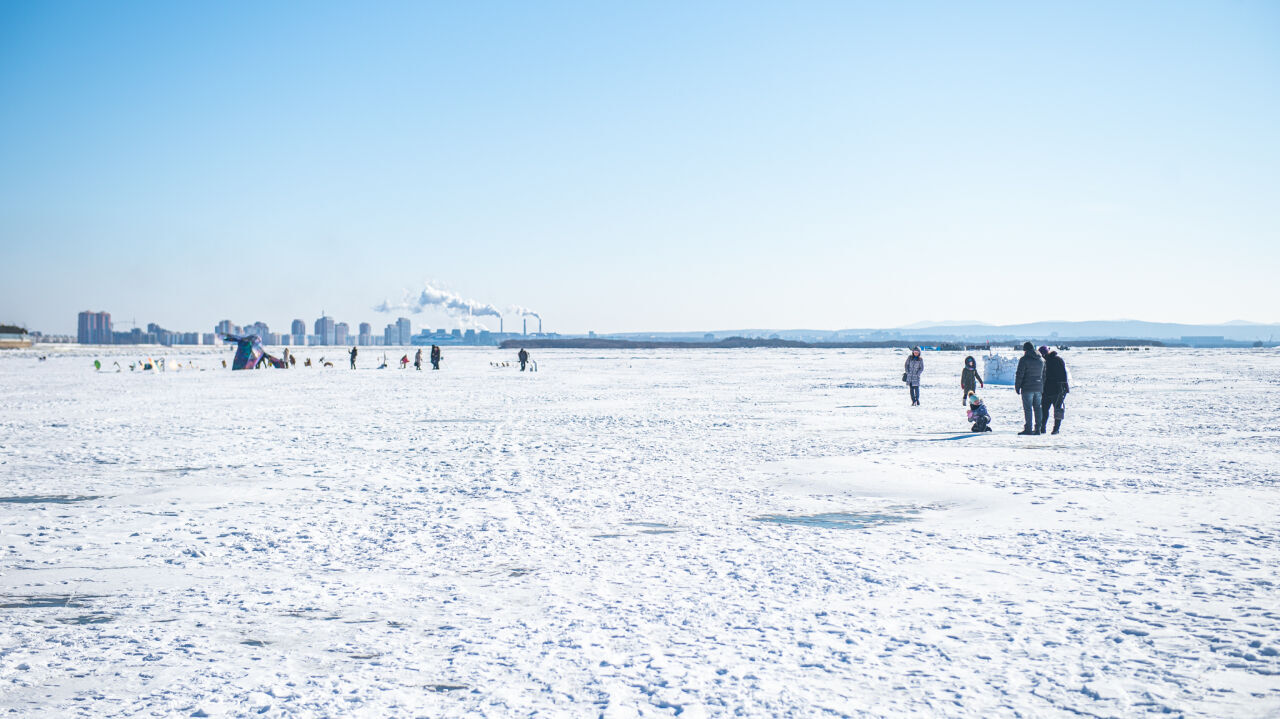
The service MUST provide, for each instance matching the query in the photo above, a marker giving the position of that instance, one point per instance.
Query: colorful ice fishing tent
(249, 353)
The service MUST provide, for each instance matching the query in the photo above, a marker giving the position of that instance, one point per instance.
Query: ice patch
(49, 499)
(837, 520)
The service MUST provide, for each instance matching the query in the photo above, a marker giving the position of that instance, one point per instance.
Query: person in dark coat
(1029, 382)
(1055, 389)
(523, 356)
(435, 356)
(912, 370)
(970, 379)
(353, 353)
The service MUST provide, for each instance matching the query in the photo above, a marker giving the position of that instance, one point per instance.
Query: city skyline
(97, 328)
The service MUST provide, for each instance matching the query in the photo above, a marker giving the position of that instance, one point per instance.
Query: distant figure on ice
(417, 359)
(978, 414)
(911, 374)
(1055, 389)
(523, 356)
(404, 361)
(353, 354)
(1029, 382)
(969, 377)
(436, 356)
(97, 365)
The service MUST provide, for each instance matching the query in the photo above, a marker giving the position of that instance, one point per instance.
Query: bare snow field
(692, 533)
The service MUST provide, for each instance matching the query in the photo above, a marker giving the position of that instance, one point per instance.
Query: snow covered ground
(623, 534)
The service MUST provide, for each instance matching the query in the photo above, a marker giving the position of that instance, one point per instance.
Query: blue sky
(641, 166)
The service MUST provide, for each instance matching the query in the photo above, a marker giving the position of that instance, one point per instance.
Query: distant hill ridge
(1238, 331)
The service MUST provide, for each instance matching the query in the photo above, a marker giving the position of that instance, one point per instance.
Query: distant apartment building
(325, 328)
(94, 328)
(298, 328)
(340, 333)
(391, 335)
(405, 331)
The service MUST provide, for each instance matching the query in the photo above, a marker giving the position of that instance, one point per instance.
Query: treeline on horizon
(754, 343)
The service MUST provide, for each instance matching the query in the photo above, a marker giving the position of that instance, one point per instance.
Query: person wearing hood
(417, 359)
(979, 415)
(970, 379)
(1055, 389)
(912, 370)
(353, 354)
(1029, 383)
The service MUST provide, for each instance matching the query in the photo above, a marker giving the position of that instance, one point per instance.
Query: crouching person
(979, 415)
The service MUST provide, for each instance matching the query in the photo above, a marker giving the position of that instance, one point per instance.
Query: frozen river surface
(692, 533)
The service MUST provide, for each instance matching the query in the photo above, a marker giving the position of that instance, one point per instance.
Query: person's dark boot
(1026, 429)
(1057, 424)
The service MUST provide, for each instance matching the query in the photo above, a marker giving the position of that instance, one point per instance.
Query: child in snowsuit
(978, 415)
(970, 379)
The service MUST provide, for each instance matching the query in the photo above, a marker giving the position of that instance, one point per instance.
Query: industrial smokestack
(526, 326)
(499, 324)
(539, 324)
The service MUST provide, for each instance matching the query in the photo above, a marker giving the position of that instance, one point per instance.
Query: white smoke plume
(431, 296)
(522, 311)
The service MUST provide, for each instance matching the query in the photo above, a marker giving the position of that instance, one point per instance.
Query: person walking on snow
(1055, 389)
(436, 354)
(417, 359)
(1029, 382)
(969, 378)
(913, 368)
(523, 356)
(353, 357)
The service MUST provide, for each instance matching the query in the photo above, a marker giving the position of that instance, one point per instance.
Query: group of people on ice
(1041, 381)
(251, 355)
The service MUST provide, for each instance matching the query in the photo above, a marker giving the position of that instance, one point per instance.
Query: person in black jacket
(353, 354)
(436, 356)
(523, 356)
(1055, 389)
(970, 379)
(1029, 382)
